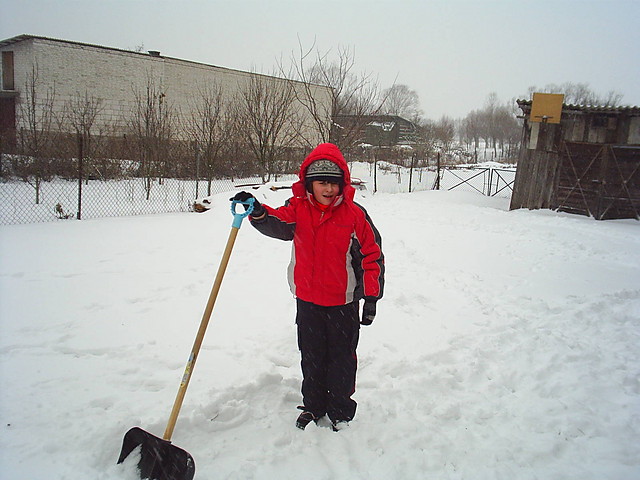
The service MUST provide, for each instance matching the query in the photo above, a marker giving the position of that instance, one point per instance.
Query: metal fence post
(375, 171)
(413, 161)
(197, 149)
(80, 168)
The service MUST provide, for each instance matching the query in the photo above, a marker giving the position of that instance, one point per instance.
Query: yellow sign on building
(546, 107)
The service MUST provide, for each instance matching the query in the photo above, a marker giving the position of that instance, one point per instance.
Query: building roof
(22, 38)
(150, 53)
(633, 110)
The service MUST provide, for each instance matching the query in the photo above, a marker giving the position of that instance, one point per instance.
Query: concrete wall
(113, 76)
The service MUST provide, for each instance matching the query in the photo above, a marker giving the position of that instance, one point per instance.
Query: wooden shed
(588, 163)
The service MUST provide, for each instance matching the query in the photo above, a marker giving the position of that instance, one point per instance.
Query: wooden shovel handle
(177, 405)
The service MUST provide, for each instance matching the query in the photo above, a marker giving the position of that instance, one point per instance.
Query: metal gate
(490, 181)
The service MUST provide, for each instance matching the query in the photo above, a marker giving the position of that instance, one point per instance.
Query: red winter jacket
(337, 254)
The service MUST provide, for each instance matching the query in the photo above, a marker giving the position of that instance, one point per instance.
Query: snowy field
(506, 347)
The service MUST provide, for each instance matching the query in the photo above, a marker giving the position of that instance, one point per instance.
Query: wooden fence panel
(602, 181)
(620, 196)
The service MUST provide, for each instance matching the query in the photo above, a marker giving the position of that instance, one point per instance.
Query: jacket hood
(325, 151)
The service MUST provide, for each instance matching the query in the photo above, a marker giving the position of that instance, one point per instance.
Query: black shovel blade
(159, 459)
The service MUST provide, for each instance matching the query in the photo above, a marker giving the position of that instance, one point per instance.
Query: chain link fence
(33, 198)
(65, 199)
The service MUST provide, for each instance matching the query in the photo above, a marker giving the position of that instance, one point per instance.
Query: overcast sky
(454, 53)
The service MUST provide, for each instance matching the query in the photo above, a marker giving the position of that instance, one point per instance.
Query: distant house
(587, 164)
(113, 75)
(376, 130)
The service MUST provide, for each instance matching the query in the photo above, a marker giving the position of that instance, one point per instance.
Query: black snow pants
(327, 338)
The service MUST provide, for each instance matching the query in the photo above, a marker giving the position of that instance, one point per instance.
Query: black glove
(368, 311)
(258, 209)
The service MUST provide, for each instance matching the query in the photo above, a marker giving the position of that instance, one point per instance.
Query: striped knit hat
(324, 170)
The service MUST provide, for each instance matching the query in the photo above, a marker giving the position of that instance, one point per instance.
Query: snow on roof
(590, 108)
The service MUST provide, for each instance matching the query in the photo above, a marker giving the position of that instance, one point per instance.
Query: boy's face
(324, 192)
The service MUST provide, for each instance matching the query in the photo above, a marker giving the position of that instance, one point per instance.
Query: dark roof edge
(24, 37)
(589, 108)
(374, 117)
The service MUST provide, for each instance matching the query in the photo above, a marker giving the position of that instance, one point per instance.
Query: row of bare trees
(258, 128)
(496, 124)
(249, 131)
(579, 94)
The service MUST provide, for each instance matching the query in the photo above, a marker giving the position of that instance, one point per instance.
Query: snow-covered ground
(506, 347)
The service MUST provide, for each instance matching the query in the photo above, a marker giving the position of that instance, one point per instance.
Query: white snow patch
(506, 347)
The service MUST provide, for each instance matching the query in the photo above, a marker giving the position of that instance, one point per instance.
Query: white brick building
(113, 75)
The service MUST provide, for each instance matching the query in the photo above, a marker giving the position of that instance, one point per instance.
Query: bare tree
(507, 130)
(81, 112)
(268, 120)
(36, 117)
(579, 94)
(152, 125)
(353, 95)
(471, 129)
(402, 101)
(445, 132)
(611, 98)
(496, 123)
(210, 128)
(306, 94)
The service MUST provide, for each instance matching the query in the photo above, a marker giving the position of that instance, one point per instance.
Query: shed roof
(633, 110)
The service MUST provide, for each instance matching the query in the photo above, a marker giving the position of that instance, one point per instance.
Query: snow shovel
(159, 459)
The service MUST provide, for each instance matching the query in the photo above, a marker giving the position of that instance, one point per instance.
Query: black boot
(337, 425)
(305, 418)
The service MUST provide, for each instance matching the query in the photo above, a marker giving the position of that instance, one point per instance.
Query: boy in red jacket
(336, 261)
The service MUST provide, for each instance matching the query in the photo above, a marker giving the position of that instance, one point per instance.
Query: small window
(7, 71)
